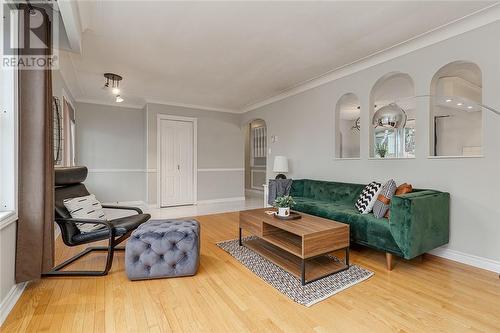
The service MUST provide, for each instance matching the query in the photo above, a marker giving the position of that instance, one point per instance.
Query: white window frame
(8, 141)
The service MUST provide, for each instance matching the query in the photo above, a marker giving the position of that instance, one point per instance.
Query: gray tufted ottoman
(163, 248)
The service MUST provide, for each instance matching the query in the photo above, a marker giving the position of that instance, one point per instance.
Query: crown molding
(150, 101)
(99, 102)
(454, 28)
(191, 106)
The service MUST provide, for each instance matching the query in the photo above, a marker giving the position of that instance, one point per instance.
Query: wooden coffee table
(298, 246)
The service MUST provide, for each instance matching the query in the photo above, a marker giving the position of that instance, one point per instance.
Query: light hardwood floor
(432, 295)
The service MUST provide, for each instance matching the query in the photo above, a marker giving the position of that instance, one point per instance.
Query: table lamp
(280, 166)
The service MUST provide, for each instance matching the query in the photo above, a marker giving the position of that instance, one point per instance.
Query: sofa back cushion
(326, 191)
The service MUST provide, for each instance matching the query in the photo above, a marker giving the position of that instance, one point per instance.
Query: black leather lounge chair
(68, 184)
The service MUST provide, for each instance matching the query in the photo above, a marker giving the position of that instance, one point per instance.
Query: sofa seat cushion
(364, 229)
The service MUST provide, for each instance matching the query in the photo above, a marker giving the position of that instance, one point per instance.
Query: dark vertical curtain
(35, 228)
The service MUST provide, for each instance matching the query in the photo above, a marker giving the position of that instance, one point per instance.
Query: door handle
(178, 167)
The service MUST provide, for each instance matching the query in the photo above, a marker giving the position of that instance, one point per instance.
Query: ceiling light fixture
(460, 104)
(113, 82)
(469, 107)
(448, 100)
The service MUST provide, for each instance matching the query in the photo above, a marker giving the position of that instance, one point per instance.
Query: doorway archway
(255, 156)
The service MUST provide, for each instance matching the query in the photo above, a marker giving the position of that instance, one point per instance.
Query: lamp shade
(280, 164)
(390, 116)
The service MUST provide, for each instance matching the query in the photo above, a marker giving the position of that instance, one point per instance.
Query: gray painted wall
(110, 141)
(118, 145)
(304, 124)
(220, 145)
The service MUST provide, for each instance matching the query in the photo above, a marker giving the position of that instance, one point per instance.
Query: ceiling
(228, 55)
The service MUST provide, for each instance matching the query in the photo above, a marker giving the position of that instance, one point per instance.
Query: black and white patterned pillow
(367, 198)
(87, 207)
(384, 199)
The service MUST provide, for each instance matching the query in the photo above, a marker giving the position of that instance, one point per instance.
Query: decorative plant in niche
(285, 201)
(382, 149)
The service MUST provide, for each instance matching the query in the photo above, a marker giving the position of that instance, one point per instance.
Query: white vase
(284, 211)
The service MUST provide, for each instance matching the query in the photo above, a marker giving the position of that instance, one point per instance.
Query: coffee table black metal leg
(303, 269)
(240, 238)
(303, 272)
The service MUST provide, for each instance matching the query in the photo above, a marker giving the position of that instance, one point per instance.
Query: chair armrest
(420, 221)
(138, 210)
(68, 239)
(89, 221)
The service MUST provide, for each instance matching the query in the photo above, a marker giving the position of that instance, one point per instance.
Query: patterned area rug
(288, 284)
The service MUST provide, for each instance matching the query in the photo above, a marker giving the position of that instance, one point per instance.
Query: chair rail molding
(155, 170)
(220, 169)
(116, 170)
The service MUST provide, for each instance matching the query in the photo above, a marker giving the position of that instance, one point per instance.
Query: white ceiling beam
(71, 19)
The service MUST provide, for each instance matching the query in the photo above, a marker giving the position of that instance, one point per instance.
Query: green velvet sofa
(419, 221)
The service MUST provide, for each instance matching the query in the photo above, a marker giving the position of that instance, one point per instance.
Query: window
(399, 143)
(456, 114)
(347, 127)
(8, 135)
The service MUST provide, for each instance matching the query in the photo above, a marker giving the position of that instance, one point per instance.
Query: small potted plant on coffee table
(284, 204)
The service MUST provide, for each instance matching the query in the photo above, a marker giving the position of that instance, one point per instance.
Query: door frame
(159, 118)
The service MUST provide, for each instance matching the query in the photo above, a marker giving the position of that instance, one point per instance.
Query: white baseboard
(10, 300)
(468, 259)
(211, 201)
(253, 191)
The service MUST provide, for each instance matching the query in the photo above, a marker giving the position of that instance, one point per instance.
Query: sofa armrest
(420, 221)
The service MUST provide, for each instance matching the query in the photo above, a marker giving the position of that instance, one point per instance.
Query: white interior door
(176, 162)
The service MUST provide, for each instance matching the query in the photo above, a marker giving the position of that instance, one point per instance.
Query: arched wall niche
(347, 126)
(399, 88)
(255, 154)
(456, 120)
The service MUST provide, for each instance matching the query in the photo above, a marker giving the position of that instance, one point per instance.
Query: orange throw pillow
(402, 189)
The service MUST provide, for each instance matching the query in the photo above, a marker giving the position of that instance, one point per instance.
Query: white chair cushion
(87, 207)
(368, 197)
